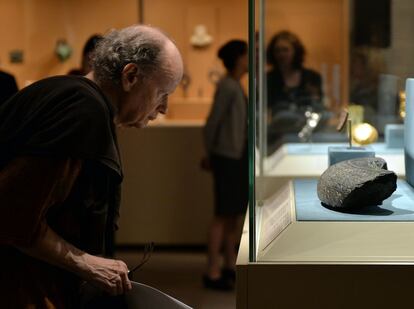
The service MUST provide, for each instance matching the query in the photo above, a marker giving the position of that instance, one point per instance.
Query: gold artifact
(364, 133)
(402, 98)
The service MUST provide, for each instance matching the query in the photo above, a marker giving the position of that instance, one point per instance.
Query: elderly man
(60, 168)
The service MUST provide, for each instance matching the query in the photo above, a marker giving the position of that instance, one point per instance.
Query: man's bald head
(149, 48)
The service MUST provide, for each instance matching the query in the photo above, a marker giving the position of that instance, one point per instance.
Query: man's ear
(129, 76)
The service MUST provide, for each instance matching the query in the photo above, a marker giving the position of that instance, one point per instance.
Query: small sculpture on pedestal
(185, 83)
(200, 37)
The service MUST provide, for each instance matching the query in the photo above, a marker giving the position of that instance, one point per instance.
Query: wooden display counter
(324, 265)
(167, 198)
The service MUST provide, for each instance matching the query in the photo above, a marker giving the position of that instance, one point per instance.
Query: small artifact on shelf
(360, 133)
(214, 76)
(364, 134)
(185, 83)
(403, 99)
(356, 183)
(343, 117)
(201, 37)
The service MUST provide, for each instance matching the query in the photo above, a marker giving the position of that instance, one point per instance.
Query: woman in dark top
(225, 136)
(291, 88)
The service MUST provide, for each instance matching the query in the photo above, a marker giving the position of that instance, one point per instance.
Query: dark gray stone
(356, 183)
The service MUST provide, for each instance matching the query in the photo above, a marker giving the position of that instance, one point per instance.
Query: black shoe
(219, 284)
(229, 274)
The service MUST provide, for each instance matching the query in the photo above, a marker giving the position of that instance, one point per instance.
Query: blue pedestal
(338, 154)
(398, 207)
(394, 135)
(409, 127)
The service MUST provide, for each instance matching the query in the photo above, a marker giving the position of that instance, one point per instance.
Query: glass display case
(327, 84)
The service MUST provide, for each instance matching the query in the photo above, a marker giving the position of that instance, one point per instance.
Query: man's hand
(107, 274)
(205, 164)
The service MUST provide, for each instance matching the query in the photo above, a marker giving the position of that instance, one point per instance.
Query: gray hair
(135, 44)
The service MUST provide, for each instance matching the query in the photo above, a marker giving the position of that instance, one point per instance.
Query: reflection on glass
(315, 59)
(294, 92)
(351, 58)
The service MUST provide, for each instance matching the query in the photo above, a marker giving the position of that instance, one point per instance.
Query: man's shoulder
(61, 83)
(70, 89)
(77, 96)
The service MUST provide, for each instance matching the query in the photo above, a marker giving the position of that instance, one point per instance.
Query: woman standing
(226, 143)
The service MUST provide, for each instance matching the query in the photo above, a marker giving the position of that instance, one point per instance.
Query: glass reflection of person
(291, 88)
(364, 81)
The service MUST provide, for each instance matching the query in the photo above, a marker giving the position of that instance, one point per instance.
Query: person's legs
(214, 278)
(216, 230)
(230, 236)
(214, 244)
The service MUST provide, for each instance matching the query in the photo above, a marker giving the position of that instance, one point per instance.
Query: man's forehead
(173, 61)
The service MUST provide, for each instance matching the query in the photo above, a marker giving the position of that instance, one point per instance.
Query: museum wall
(224, 20)
(166, 197)
(323, 25)
(34, 26)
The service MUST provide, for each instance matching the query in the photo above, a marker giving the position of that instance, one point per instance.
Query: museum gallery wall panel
(34, 26)
(224, 20)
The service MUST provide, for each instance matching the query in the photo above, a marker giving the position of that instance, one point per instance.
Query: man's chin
(137, 125)
(140, 124)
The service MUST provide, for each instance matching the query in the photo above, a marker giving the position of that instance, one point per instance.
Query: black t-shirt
(287, 105)
(67, 116)
(8, 86)
(307, 94)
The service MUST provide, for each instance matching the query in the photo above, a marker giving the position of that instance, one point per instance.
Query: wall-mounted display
(201, 37)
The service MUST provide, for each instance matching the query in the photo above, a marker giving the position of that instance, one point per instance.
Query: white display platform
(335, 241)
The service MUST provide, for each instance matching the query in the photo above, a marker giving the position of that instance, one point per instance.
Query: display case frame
(286, 262)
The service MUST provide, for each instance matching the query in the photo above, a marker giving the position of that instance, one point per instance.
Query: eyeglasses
(148, 249)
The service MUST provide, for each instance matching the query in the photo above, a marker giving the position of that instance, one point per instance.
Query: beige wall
(225, 20)
(166, 197)
(35, 25)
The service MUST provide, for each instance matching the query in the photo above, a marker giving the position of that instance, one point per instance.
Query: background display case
(294, 252)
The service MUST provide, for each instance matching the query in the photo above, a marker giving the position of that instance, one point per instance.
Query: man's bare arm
(108, 274)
